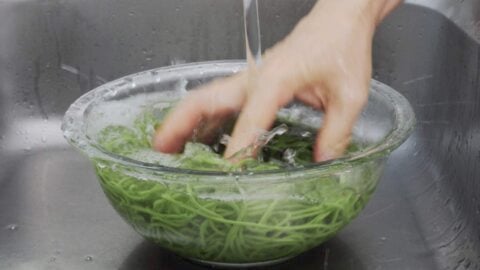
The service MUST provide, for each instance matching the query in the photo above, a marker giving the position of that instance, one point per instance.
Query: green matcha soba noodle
(232, 222)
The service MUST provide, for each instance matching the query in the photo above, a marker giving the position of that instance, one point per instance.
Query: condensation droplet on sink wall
(88, 258)
(12, 227)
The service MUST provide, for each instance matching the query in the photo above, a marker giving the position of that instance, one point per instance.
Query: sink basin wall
(425, 214)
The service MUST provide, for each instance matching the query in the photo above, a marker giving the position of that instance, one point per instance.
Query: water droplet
(383, 238)
(88, 258)
(12, 227)
(131, 13)
(447, 201)
(44, 139)
(52, 259)
(131, 81)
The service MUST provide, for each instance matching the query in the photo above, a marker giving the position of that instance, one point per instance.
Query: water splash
(225, 139)
(266, 137)
(289, 156)
(259, 143)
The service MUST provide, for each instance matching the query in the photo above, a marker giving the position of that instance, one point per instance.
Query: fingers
(256, 117)
(265, 98)
(312, 96)
(216, 100)
(341, 114)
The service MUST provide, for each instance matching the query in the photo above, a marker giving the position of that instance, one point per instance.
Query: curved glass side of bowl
(233, 219)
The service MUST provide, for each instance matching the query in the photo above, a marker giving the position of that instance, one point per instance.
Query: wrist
(370, 12)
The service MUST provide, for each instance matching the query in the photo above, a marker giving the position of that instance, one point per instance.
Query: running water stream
(253, 49)
(252, 32)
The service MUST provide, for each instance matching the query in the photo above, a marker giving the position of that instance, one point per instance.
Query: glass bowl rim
(74, 129)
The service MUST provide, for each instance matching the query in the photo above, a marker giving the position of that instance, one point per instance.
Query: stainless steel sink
(53, 215)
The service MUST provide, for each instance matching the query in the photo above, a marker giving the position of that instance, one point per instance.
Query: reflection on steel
(425, 214)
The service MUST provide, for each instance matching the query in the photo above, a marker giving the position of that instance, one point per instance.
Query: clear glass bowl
(233, 219)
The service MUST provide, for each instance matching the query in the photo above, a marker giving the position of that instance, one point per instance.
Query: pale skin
(325, 62)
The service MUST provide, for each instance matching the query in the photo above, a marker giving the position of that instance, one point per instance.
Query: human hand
(325, 62)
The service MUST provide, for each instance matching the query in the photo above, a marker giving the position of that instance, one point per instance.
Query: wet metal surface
(53, 215)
